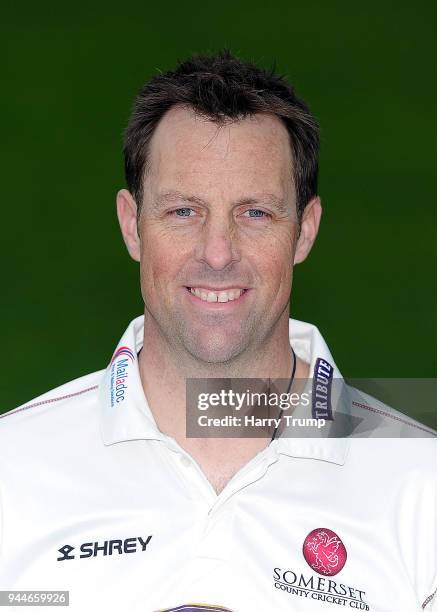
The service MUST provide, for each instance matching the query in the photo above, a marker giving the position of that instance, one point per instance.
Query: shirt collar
(126, 414)
(309, 344)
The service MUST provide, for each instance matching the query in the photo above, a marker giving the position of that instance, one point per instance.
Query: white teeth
(216, 296)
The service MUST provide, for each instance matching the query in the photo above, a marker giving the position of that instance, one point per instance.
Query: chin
(215, 349)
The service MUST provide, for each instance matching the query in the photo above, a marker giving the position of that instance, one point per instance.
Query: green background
(367, 71)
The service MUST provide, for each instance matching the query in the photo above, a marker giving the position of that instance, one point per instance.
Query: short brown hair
(222, 87)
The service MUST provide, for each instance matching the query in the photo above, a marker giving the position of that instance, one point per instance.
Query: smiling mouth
(222, 296)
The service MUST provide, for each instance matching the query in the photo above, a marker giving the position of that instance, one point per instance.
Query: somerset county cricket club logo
(324, 552)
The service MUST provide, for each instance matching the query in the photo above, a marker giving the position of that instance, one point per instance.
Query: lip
(218, 305)
(217, 289)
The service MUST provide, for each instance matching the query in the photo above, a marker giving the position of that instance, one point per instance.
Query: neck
(164, 370)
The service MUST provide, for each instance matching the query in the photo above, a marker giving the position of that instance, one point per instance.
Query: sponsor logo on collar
(123, 350)
(321, 397)
(119, 374)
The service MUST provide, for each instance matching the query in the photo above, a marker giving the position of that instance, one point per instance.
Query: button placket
(254, 472)
(216, 534)
(185, 461)
(194, 475)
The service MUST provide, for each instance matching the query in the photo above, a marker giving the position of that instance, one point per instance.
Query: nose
(217, 242)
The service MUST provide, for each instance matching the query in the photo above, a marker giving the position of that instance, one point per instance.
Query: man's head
(222, 88)
(221, 163)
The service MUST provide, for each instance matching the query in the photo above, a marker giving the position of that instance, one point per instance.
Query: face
(217, 233)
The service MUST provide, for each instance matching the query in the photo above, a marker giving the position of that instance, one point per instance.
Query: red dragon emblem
(324, 552)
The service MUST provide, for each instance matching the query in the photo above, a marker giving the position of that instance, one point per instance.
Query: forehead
(190, 150)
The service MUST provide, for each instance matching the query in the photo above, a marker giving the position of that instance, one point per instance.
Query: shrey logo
(324, 552)
(123, 350)
(107, 547)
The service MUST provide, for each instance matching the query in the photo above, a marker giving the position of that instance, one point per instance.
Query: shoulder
(57, 409)
(392, 446)
(377, 419)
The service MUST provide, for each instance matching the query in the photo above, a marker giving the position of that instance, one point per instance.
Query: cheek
(161, 259)
(274, 261)
(155, 261)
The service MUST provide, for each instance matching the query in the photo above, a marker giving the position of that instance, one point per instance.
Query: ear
(127, 217)
(308, 231)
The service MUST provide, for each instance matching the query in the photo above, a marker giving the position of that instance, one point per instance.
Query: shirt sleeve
(430, 603)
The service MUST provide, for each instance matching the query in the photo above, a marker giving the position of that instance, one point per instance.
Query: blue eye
(183, 212)
(259, 214)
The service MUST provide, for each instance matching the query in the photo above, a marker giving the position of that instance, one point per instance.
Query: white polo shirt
(96, 501)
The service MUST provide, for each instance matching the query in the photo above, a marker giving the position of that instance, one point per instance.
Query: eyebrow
(171, 196)
(266, 198)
